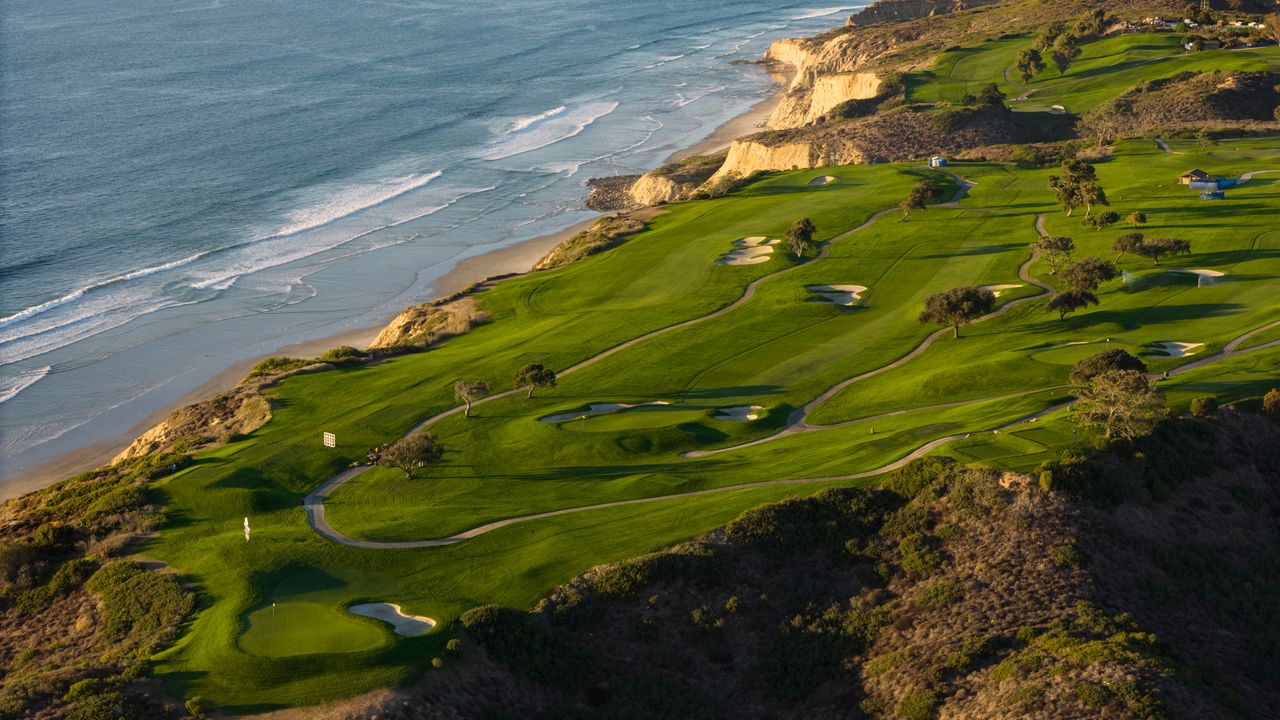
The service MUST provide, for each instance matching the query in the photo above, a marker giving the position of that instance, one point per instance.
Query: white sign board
(330, 440)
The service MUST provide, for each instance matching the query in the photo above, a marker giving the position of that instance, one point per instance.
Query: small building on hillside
(937, 161)
(1216, 195)
(1191, 176)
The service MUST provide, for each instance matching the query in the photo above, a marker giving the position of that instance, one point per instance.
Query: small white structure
(937, 161)
(330, 440)
(246, 529)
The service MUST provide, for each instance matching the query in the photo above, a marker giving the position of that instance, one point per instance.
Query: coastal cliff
(892, 10)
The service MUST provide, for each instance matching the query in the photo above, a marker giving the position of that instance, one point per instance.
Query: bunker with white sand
(402, 624)
(750, 251)
(997, 290)
(845, 295)
(740, 413)
(1169, 348)
(596, 409)
(825, 179)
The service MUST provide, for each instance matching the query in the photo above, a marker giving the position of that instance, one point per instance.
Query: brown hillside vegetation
(1189, 101)
(1145, 588)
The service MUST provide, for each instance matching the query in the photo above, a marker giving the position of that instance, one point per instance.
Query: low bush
(697, 562)
(943, 592)
(277, 365)
(919, 704)
(141, 607)
(343, 356)
(528, 646)
(1204, 406)
(919, 554)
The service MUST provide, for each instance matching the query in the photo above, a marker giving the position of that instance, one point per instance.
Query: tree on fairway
(1029, 64)
(1055, 250)
(534, 376)
(991, 97)
(469, 392)
(413, 451)
(1204, 140)
(1103, 219)
(1064, 52)
(1088, 273)
(1127, 244)
(919, 196)
(800, 236)
(1071, 301)
(1108, 360)
(1136, 218)
(1122, 403)
(1156, 247)
(957, 306)
(1077, 186)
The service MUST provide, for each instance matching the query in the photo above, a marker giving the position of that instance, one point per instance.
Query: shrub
(1139, 700)
(1024, 695)
(453, 645)
(195, 706)
(68, 577)
(275, 365)
(1066, 556)
(53, 537)
(695, 561)
(1204, 406)
(141, 606)
(437, 663)
(1271, 403)
(919, 556)
(527, 646)
(13, 557)
(943, 592)
(1092, 695)
(919, 704)
(344, 356)
(913, 477)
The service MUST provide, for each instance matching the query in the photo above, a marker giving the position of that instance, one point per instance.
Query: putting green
(307, 627)
(644, 416)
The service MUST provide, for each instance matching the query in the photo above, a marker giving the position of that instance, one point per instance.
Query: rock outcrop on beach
(605, 233)
(430, 322)
(240, 410)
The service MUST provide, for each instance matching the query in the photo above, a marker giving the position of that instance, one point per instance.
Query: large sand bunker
(750, 251)
(998, 289)
(403, 625)
(1177, 349)
(837, 294)
(822, 180)
(1204, 276)
(741, 413)
(596, 409)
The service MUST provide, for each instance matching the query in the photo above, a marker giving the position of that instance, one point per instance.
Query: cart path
(314, 503)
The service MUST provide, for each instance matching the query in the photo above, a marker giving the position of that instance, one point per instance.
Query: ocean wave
(11, 386)
(682, 100)
(525, 122)
(823, 12)
(664, 59)
(351, 201)
(549, 131)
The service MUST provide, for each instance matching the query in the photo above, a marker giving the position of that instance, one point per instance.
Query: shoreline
(517, 259)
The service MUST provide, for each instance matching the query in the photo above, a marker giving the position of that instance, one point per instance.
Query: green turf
(779, 350)
(1104, 69)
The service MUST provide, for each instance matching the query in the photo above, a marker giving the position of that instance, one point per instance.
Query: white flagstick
(246, 529)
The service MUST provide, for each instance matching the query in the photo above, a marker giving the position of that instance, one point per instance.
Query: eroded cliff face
(652, 188)
(827, 73)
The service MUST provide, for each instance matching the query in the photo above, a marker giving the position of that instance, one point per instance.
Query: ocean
(190, 183)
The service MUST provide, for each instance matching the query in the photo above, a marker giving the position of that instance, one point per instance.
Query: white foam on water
(352, 200)
(524, 122)
(683, 100)
(549, 130)
(11, 386)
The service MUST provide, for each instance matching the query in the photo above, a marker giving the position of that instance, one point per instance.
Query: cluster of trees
(1135, 243)
(1061, 43)
(989, 98)
(1077, 187)
(922, 193)
(799, 238)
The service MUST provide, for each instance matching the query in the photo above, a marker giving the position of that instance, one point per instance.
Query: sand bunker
(1201, 272)
(403, 625)
(596, 409)
(822, 180)
(741, 413)
(751, 251)
(997, 289)
(838, 294)
(1178, 349)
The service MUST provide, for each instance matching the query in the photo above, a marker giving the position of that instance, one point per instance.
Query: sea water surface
(189, 183)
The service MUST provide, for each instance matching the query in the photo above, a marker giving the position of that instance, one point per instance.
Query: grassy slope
(779, 350)
(1104, 69)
